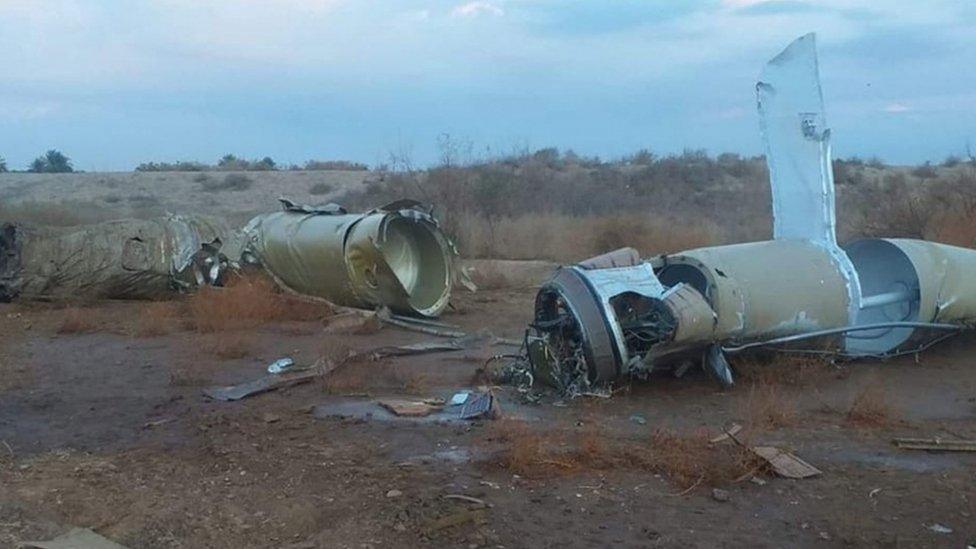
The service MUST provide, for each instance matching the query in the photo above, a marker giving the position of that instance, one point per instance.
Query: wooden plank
(786, 464)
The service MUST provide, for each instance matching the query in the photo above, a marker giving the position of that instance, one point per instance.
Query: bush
(53, 161)
(925, 171)
(3, 165)
(230, 182)
(232, 163)
(334, 165)
(181, 166)
(951, 161)
(320, 188)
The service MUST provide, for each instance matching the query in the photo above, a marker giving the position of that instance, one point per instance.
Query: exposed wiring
(835, 331)
(880, 356)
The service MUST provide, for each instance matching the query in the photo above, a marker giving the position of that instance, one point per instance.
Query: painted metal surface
(773, 288)
(394, 256)
(797, 144)
(124, 259)
(871, 298)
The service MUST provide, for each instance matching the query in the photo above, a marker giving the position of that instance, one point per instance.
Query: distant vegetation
(320, 188)
(564, 206)
(232, 163)
(556, 204)
(230, 182)
(53, 161)
(330, 165)
(3, 165)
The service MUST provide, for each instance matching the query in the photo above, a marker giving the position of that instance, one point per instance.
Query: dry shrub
(688, 460)
(870, 407)
(77, 321)
(780, 369)
(232, 345)
(248, 302)
(650, 235)
(414, 383)
(562, 237)
(186, 376)
(768, 406)
(155, 319)
(955, 228)
(348, 374)
(352, 377)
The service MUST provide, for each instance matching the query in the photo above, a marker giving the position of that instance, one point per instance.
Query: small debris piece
(727, 434)
(936, 444)
(408, 408)
(477, 405)
(258, 386)
(77, 538)
(469, 499)
(786, 464)
(281, 365)
(270, 417)
(638, 419)
(758, 481)
(394, 494)
(460, 398)
(940, 529)
(720, 495)
(157, 422)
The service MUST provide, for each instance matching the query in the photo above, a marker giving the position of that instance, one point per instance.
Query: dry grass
(560, 237)
(232, 345)
(768, 405)
(187, 376)
(957, 229)
(786, 370)
(77, 321)
(155, 319)
(67, 213)
(870, 406)
(248, 302)
(688, 460)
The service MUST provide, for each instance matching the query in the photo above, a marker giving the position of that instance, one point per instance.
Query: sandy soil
(110, 431)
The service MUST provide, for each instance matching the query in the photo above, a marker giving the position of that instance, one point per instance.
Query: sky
(113, 83)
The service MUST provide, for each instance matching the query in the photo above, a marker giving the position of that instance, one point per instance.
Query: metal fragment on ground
(77, 538)
(408, 407)
(261, 385)
(394, 256)
(124, 259)
(615, 317)
(281, 365)
(477, 405)
(936, 444)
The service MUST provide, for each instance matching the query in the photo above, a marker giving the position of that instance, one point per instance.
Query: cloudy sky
(117, 82)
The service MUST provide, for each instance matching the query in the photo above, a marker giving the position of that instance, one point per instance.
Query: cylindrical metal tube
(397, 258)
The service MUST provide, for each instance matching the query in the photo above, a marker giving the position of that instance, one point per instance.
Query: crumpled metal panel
(394, 256)
(124, 259)
(797, 143)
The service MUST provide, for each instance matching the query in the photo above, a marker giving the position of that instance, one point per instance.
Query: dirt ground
(108, 429)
